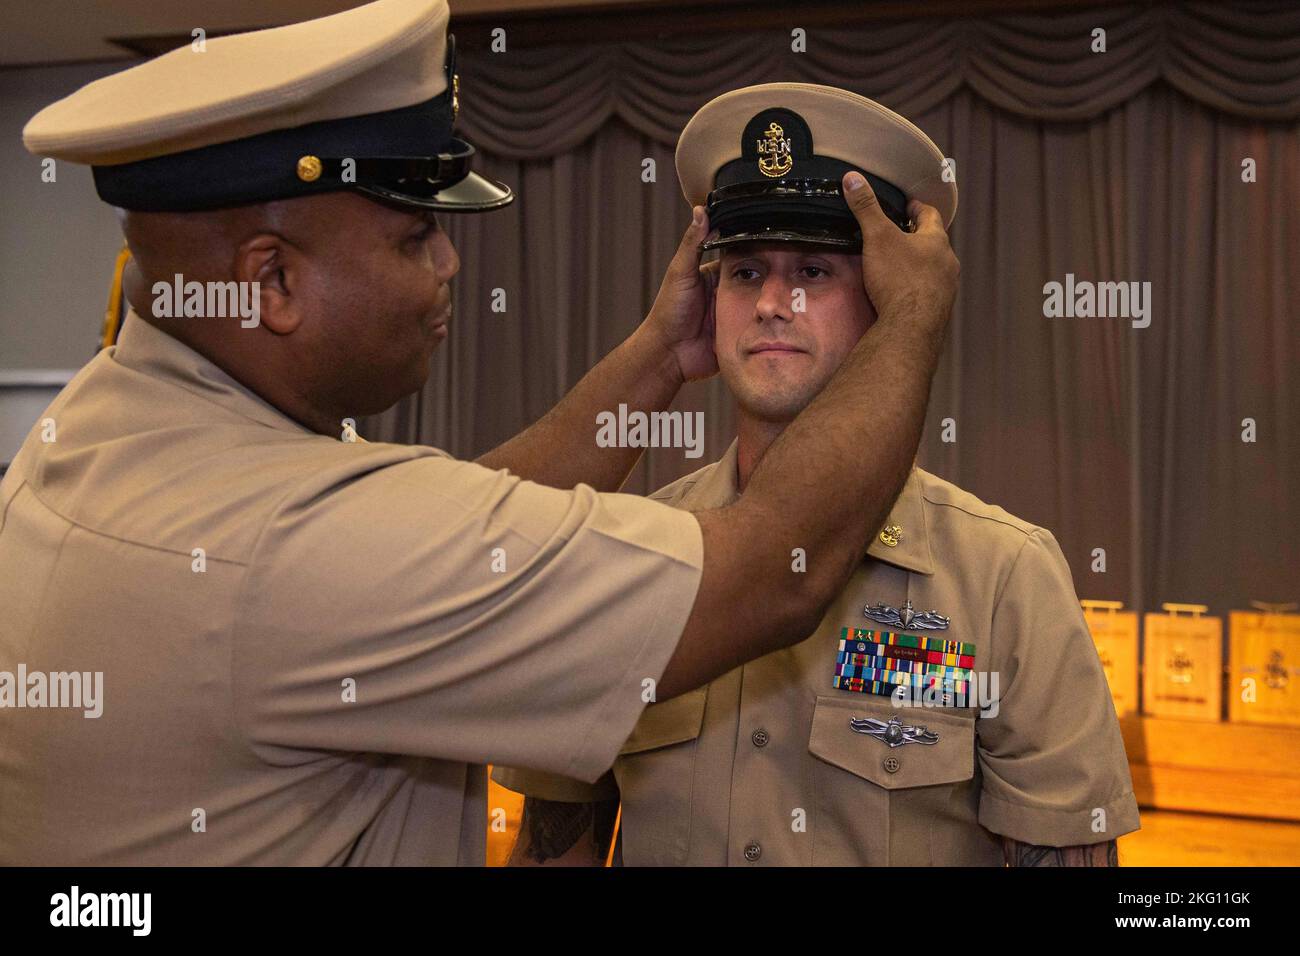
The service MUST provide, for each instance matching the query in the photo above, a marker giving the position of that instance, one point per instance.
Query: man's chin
(422, 363)
(387, 393)
(772, 406)
(418, 378)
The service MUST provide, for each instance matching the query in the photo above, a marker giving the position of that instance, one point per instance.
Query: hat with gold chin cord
(767, 163)
(363, 100)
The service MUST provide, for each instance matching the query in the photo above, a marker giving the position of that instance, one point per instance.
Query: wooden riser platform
(1172, 838)
(1244, 770)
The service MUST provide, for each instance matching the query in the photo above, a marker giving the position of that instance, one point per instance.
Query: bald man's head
(352, 297)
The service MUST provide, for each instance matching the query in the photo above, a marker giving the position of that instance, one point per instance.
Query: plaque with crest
(1182, 664)
(1264, 665)
(1115, 633)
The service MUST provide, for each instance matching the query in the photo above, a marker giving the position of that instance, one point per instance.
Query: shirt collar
(907, 521)
(151, 351)
(718, 487)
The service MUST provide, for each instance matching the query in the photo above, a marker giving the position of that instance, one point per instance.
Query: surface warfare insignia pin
(907, 618)
(774, 157)
(893, 732)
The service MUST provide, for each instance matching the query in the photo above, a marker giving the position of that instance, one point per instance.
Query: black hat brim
(474, 193)
(808, 237)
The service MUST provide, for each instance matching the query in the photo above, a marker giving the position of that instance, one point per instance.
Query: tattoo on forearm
(553, 827)
(1094, 854)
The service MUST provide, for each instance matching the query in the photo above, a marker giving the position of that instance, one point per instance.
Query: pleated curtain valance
(1239, 59)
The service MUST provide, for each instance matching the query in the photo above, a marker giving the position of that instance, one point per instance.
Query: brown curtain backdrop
(1116, 166)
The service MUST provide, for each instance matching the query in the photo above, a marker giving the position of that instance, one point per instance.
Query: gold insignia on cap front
(309, 169)
(890, 535)
(819, 122)
(774, 157)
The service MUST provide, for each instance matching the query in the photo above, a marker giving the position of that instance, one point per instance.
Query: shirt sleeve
(1054, 768)
(437, 608)
(549, 786)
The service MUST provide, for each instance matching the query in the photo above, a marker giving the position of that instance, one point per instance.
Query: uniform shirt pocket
(879, 805)
(655, 771)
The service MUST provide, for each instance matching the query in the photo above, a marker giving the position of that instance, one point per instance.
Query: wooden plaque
(1182, 667)
(1264, 671)
(1116, 635)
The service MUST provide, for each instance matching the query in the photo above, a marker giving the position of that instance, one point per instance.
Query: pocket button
(892, 764)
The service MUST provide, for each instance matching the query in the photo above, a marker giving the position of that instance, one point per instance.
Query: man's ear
(135, 289)
(266, 260)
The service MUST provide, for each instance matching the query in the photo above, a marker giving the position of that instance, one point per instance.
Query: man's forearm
(560, 449)
(559, 833)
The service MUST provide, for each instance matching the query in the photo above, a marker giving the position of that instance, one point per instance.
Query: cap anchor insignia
(774, 157)
(768, 164)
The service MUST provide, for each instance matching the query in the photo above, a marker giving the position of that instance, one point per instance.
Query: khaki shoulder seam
(1019, 524)
(100, 533)
(1024, 527)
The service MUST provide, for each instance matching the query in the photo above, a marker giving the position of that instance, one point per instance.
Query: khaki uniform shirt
(365, 627)
(762, 766)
